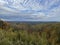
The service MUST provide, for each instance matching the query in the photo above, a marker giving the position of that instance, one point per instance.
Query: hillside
(12, 33)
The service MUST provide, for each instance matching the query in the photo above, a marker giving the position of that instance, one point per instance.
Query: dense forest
(13, 33)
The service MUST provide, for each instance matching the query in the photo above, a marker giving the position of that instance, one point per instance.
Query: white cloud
(24, 8)
(2, 3)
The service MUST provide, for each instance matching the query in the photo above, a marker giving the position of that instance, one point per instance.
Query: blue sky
(30, 10)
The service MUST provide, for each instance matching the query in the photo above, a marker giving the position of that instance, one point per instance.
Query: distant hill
(32, 22)
(27, 25)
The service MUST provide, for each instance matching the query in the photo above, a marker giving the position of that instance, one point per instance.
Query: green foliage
(28, 34)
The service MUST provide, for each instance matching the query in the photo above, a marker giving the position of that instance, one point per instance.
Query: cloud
(30, 9)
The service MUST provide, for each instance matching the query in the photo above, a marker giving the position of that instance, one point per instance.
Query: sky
(30, 10)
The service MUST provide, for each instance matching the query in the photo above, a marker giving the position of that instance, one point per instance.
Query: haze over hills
(11, 24)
